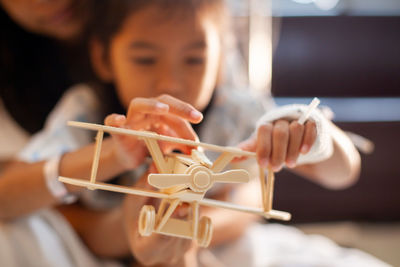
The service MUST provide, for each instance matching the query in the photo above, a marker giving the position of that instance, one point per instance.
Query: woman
(43, 52)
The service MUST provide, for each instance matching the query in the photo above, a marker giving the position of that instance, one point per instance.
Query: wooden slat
(264, 194)
(114, 188)
(177, 228)
(270, 190)
(222, 161)
(167, 215)
(96, 157)
(157, 155)
(272, 214)
(152, 135)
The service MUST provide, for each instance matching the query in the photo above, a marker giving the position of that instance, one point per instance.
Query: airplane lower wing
(114, 188)
(272, 214)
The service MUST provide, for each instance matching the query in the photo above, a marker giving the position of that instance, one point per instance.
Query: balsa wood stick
(270, 190)
(99, 140)
(314, 103)
(264, 193)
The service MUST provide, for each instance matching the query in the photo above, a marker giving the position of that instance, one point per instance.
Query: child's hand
(165, 115)
(281, 142)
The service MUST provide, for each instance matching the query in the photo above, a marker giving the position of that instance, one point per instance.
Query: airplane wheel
(204, 233)
(147, 219)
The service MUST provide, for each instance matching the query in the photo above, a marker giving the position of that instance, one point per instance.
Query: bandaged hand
(281, 140)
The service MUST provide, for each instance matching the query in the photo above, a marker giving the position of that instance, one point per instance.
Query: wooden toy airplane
(182, 178)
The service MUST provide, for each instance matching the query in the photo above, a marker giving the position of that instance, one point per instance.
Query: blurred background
(347, 53)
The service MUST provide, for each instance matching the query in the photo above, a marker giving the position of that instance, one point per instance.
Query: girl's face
(153, 55)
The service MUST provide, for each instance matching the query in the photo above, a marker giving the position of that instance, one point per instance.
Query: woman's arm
(102, 231)
(23, 188)
(229, 225)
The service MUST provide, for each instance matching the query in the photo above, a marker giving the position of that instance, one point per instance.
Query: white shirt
(45, 238)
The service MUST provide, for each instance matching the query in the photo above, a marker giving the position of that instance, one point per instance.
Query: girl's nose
(169, 81)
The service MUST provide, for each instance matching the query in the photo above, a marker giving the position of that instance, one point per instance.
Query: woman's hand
(281, 142)
(156, 248)
(164, 115)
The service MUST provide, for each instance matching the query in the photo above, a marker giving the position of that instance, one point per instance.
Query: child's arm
(282, 141)
(341, 169)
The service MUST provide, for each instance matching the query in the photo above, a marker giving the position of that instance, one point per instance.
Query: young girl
(135, 52)
(165, 60)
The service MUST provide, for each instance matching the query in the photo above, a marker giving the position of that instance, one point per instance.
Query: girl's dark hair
(35, 71)
(111, 14)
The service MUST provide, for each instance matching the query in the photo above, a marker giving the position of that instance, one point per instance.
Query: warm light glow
(260, 46)
(260, 58)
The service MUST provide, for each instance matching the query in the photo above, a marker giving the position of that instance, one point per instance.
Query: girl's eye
(144, 60)
(194, 60)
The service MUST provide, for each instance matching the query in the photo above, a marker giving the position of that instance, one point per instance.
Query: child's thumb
(115, 120)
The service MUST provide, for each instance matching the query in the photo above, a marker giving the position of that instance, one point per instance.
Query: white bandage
(55, 187)
(323, 146)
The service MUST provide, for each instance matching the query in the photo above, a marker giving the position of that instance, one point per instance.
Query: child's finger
(181, 109)
(295, 137)
(115, 120)
(249, 144)
(167, 147)
(181, 127)
(145, 105)
(280, 140)
(310, 135)
(264, 144)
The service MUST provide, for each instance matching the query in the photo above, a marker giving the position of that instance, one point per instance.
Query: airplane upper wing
(152, 135)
